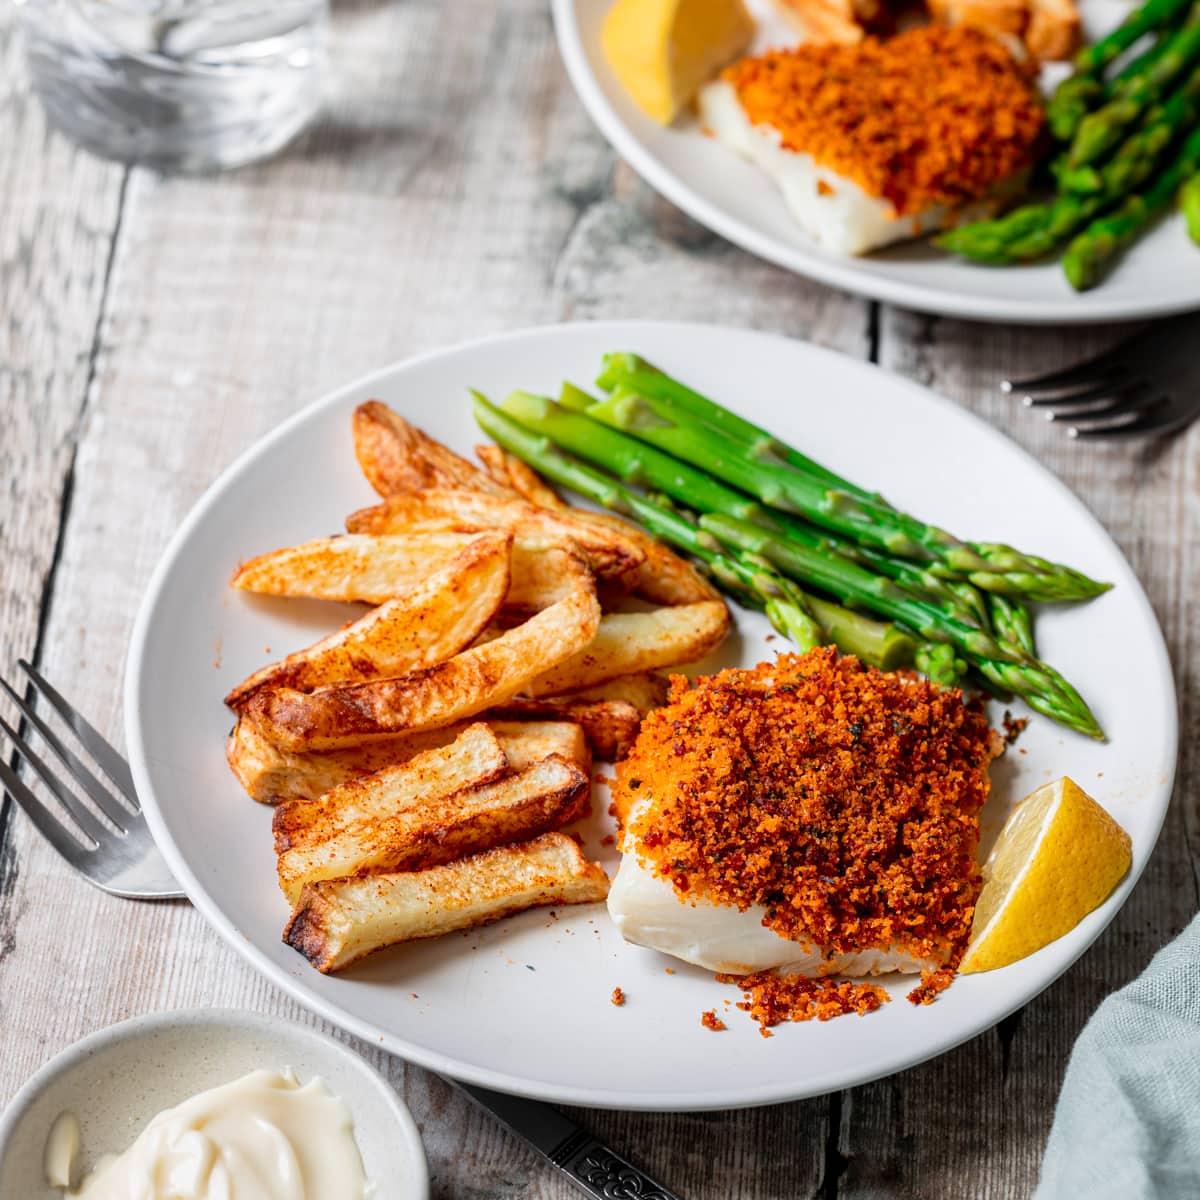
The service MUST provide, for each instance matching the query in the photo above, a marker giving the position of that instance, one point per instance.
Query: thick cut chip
(662, 577)
(351, 567)
(629, 643)
(337, 922)
(528, 742)
(611, 552)
(509, 471)
(610, 727)
(475, 757)
(272, 775)
(546, 796)
(463, 686)
(376, 568)
(543, 571)
(434, 621)
(398, 458)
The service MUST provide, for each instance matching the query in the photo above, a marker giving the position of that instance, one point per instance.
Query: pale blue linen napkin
(1128, 1118)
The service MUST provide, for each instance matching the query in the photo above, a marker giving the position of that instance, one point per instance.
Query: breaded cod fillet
(810, 814)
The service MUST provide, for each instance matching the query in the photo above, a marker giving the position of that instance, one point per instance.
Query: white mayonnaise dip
(263, 1137)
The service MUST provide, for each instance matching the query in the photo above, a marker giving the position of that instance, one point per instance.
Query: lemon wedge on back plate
(663, 50)
(1058, 857)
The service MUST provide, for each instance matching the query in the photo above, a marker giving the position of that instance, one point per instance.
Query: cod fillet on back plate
(810, 814)
(876, 142)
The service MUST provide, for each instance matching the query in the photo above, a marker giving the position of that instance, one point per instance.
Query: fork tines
(88, 831)
(1149, 384)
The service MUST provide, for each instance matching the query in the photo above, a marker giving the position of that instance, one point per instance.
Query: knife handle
(603, 1173)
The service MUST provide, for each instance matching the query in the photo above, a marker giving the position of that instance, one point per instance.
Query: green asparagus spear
(989, 241)
(632, 373)
(1090, 256)
(1151, 16)
(882, 644)
(1101, 130)
(1012, 621)
(1043, 688)
(1189, 202)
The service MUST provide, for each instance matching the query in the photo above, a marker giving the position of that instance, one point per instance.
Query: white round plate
(116, 1079)
(523, 1005)
(738, 201)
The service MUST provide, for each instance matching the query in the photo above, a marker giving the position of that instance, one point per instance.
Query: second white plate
(1160, 275)
(524, 1005)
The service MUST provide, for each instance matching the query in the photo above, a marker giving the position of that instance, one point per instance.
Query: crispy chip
(509, 471)
(352, 567)
(432, 622)
(474, 757)
(611, 552)
(398, 458)
(474, 680)
(272, 775)
(609, 726)
(628, 643)
(421, 833)
(337, 922)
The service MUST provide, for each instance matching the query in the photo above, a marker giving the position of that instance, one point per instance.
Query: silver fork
(1147, 385)
(117, 854)
(124, 861)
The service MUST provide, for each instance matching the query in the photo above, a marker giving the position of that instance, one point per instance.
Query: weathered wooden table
(151, 328)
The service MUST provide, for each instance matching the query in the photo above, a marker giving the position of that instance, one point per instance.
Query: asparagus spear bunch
(1093, 252)
(838, 507)
(772, 556)
(664, 413)
(1083, 91)
(1103, 129)
(1159, 128)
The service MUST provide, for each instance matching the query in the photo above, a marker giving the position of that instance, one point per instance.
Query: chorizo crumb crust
(931, 116)
(772, 999)
(843, 799)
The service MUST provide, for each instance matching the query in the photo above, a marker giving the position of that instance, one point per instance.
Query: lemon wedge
(1058, 857)
(663, 50)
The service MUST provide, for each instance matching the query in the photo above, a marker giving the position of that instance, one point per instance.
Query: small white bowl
(115, 1080)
